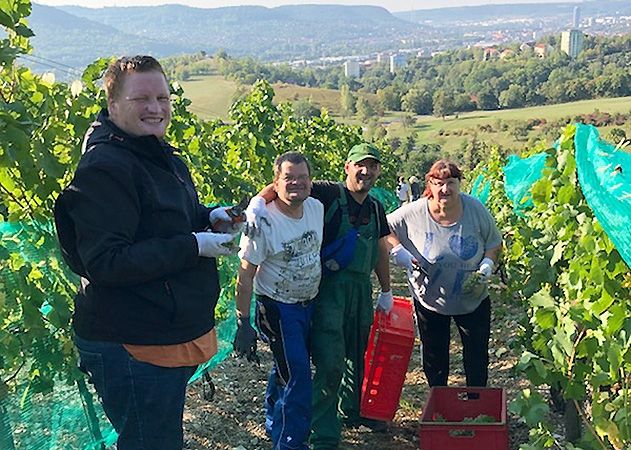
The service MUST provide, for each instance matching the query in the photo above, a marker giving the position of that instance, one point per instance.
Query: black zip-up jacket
(125, 226)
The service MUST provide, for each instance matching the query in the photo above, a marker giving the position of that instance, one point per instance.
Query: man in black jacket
(131, 225)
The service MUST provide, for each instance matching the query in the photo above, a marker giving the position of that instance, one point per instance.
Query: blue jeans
(145, 403)
(288, 397)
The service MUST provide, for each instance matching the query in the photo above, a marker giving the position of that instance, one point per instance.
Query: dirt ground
(234, 419)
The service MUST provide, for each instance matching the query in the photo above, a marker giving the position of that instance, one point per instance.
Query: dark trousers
(145, 403)
(287, 327)
(474, 328)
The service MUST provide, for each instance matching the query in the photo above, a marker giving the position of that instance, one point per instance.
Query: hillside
(77, 41)
(507, 128)
(562, 10)
(74, 36)
(212, 96)
(285, 32)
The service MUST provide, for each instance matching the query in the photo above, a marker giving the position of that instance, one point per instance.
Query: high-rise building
(397, 61)
(576, 18)
(572, 42)
(351, 69)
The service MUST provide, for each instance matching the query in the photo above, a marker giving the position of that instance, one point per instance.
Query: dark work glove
(245, 340)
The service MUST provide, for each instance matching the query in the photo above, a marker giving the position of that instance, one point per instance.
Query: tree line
(456, 81)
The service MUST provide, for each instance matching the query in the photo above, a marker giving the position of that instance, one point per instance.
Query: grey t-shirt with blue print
(452, 254)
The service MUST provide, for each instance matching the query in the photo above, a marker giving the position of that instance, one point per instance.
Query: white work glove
(255, 215)
(486, 268)
(402, 257)
(222, 222)
(219, 214)
(211, 245)
(385, 301)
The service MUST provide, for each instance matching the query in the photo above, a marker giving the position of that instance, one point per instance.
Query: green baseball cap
(363, 151)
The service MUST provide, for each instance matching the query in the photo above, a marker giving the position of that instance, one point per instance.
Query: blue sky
(391, 5)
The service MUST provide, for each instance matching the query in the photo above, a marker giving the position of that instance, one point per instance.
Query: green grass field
(212, 96)
(451, 132)
(427, 124)
(324, 98)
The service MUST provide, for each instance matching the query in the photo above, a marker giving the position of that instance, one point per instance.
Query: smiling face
(293, 183)
(362, 175)
(142, 107)
(444, 191)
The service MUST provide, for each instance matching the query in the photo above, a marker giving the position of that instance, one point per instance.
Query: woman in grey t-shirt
(449, 244)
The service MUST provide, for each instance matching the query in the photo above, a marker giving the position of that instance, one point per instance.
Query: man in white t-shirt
(281, 264)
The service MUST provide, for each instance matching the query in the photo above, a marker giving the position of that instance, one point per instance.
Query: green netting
(481, 188)
(70, 417)
(62, 418)
(388, 199)
(604, 174)
(519, 176)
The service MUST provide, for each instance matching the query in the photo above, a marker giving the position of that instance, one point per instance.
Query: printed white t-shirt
(287, 253)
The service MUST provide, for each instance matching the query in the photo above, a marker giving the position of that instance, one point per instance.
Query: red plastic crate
(386, 361)
(456, 403)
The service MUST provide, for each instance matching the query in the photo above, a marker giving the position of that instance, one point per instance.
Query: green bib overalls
(341, 325)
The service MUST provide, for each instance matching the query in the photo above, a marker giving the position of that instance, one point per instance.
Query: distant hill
(76, 41)
(463, 14)
(76, 35)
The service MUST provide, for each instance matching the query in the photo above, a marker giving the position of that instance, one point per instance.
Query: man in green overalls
(343, 308)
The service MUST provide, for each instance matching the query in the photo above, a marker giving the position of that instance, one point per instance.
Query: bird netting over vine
(68, 415)
(481, 188)
(604, 174)
(387, 198)
(519, 176)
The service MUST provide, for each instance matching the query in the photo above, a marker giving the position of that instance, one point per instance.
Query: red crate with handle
(386, 361)
(464, 418)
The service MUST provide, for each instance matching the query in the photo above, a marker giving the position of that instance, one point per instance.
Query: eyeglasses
(144, 100)
(449, 182)
(298, 179)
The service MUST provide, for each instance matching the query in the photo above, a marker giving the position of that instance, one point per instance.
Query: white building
(572, 42)
(576, 18)
(351, 69)
(397, 61)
